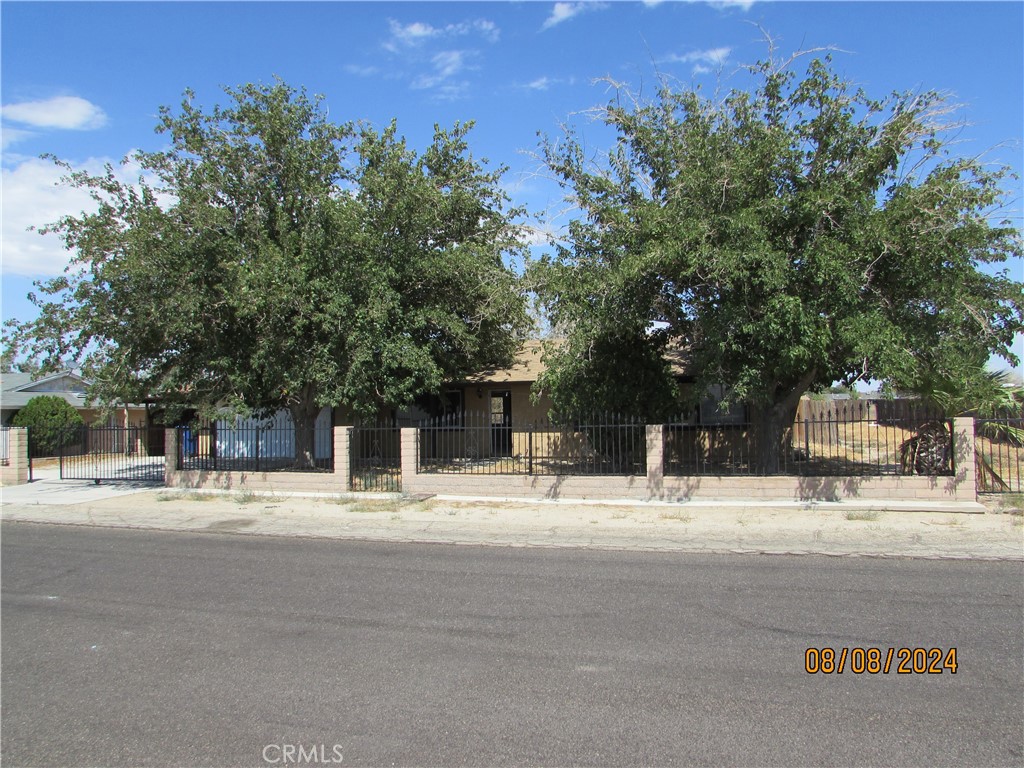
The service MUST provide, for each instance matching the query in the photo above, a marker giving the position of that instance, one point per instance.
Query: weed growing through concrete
(861, 514)
(250, 497)
(681, 517)
(1012, 504)
(185, 496)
(364, 506)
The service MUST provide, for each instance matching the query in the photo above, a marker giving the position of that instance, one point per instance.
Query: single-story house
(505, 395)
(17, 389)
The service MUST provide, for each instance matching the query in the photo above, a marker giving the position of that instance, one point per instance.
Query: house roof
(527, 367)
(529, 364)
(16, 389)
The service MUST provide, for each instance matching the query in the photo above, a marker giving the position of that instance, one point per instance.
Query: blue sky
(84, 81)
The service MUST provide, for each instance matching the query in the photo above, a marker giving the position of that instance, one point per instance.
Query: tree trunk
(304, 412)
(774, 429)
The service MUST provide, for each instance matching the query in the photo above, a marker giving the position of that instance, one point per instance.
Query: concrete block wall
(15, 470)
(655, 485)
(262, 482)
(658, 486)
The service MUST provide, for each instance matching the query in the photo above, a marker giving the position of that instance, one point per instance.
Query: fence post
(964, 470)
(408, 438)
(655, 443)
(171, 455)
(529, 461)
(16, 471)
(342, 458)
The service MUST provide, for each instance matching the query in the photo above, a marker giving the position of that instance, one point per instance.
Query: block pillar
(170, 456)
(342, 457)
(965, 471)
(15, 472)
(408, 446)
(655, 461)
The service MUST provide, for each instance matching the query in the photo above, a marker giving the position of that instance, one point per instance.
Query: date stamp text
(873, 661)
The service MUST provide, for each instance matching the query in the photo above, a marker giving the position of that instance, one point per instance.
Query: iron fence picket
(220, 446)
(999, 455)
(591, 445)
(375, 457)
(839, 442)
(108, 454)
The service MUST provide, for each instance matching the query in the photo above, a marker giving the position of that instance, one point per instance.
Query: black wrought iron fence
(919, 444)
(375, 457)
(491, 444)
(109, 454)
(226, 446)
(999, 455)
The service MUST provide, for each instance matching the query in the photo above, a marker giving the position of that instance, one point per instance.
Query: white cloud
(33, 197)
(448, 63)
(405, 36)
(544, 83)
(565, 11)
(10, 136)
(445, 65)
(743, 5)
(361, 71)
(710, 57)
(67, 112)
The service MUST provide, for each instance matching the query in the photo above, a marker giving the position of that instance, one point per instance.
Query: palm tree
(995, 400)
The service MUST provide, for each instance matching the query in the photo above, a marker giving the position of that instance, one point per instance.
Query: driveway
(48, 489)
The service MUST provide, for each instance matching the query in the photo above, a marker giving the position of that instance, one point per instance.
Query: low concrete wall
(262, 482)
(654, 485)
(14, 471)
(658, 486)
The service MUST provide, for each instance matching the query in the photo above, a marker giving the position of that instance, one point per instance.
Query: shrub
(47, 418)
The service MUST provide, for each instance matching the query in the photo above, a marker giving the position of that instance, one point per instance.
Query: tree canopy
(269, 258)
(782, 238)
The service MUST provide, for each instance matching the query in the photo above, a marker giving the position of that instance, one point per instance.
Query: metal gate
(375, 462)
(109, 454)
(999, 455)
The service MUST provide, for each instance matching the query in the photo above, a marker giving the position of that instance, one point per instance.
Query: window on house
(452, 407)
(447, 408)
(712, 412)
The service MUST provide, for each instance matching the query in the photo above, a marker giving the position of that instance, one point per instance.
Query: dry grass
(252, 497)
(678, 516)
(186, 496)
(862, 514)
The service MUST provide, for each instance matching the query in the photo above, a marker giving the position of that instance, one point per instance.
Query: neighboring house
(16, 389)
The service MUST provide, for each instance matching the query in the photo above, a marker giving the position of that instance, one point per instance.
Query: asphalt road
(139, 648)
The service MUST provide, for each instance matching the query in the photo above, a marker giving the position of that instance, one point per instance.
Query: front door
(501, 423)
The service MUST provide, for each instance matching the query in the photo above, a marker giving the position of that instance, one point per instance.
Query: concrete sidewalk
(831, 528)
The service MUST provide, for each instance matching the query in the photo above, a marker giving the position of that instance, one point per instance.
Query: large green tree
(785, 237)
(269, 258)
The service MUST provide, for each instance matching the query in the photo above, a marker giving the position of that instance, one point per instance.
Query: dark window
(712, 411)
